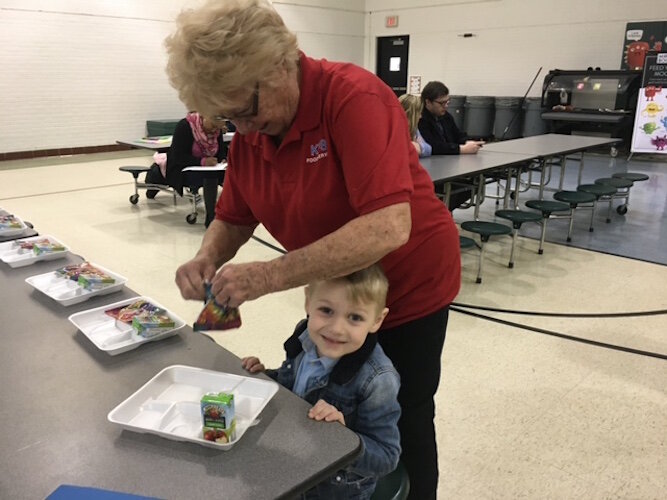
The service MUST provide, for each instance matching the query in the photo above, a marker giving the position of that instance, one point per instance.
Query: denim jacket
(363, 386)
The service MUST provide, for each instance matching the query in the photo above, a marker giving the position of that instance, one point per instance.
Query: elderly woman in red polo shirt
(322, 158)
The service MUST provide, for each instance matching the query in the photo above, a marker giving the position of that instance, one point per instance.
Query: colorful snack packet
(215, 316)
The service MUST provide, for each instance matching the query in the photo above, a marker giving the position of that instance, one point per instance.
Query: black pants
(415, 349)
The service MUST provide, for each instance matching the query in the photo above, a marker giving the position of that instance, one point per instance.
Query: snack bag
(219, 417)
(215, 316)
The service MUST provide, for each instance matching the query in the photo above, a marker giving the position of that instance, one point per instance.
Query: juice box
(219, 418)
(148, 325)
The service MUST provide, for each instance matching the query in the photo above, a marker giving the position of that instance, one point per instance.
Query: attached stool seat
(465, 242)
(622, 191)
(517, 217)
(574, 199)
(631, 176)
(393, 486)
(601, 191)
(485, 231)
(547, 207)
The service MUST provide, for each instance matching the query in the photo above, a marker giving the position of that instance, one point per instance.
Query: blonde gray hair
(223, 49)
(368, 286)
(412, 105)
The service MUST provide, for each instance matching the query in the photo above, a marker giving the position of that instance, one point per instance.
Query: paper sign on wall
(415, 85)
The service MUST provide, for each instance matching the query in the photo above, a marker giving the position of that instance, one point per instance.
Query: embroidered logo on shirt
(317, 151)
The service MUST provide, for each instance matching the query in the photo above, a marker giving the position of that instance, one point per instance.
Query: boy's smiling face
(336, 325)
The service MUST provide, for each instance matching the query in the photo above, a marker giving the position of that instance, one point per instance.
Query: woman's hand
(190, 278)
(324, 411)
(236, 283)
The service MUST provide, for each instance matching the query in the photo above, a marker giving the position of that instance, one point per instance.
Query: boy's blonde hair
(412, 105)
(223, 49)
(368, 286)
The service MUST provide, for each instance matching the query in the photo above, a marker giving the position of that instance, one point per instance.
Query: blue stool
(393, 486)
(547, 208)
(517, 217)
(574, 199)
(485, 231)
(602, 192)
(622, 191)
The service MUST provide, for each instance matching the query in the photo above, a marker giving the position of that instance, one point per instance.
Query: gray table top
(540, 146)
(57, 389)
(445, 168)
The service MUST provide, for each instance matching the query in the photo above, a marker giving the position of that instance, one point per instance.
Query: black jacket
(180, 154)
(445, 142)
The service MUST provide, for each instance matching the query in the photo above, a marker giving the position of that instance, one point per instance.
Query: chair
(192, 195)
(601, 192)
(547, 208)
(574, 199)
(393, 486)
(517, 218)
(485, 231)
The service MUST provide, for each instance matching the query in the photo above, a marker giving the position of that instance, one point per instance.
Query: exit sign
(391, 21)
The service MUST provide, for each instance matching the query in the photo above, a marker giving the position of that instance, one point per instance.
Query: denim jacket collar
(347, 366)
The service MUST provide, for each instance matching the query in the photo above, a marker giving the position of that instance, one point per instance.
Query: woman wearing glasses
(437, 126)
(323, 159)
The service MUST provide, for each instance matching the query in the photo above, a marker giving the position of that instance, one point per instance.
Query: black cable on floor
(562, 335)
(657, 312)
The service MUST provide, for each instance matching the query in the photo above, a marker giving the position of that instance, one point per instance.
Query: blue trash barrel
(478, 117)
(533, 124)
(507, 124)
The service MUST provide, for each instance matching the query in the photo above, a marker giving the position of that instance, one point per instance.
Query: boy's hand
(324, 411)
(252, 364)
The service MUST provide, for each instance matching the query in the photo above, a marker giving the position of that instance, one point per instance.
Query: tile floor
(520, 413)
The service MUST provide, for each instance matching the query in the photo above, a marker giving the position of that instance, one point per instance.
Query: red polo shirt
(348, 153)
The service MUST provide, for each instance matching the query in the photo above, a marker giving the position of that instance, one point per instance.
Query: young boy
(336, 365)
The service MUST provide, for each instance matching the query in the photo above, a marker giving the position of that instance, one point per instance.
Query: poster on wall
(649, 134)
(640, 39)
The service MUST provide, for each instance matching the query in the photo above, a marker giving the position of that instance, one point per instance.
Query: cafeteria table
(57, 389)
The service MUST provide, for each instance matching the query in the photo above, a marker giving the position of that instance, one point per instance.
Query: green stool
(601, 192)
(547, 208)
(630, 176)
(622, 191)
(574, 199)
(393, 486)
(517, 217)
(465, 242)
(485, 231)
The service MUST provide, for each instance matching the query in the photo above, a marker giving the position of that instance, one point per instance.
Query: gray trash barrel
(507, 124)
(456, 109)
(533, 124)
(478, 117)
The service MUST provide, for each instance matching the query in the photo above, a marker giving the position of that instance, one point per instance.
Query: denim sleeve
(377, 426)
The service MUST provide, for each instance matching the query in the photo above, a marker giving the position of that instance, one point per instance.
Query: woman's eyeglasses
(254, 109)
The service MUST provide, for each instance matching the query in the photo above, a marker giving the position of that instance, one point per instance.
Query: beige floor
(519, 414)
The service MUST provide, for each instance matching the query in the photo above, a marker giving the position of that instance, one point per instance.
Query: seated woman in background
(412, 105)
(197, 141)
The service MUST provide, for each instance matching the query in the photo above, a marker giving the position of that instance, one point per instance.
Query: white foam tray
(13, 231)
(10, 252)
(115, 337)
(169, 404)
(67, 292)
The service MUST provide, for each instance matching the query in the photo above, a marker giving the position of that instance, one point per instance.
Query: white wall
(79, 73)
(512, 38)
(87, 72)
